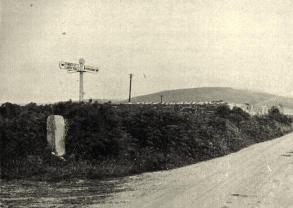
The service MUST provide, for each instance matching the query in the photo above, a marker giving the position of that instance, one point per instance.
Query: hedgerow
(136, 138)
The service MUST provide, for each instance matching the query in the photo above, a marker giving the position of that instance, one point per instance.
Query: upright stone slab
(56, 134)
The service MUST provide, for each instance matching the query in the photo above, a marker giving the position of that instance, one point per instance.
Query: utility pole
(81, 68)
(130, 82)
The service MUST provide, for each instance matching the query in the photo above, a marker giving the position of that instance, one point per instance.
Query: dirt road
(258, 176)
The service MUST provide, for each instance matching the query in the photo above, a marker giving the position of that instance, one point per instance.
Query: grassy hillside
(217, 93)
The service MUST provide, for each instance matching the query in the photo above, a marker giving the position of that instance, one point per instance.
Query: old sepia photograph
(146, 104)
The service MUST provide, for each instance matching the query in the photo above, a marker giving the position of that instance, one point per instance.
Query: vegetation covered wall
(113, 140)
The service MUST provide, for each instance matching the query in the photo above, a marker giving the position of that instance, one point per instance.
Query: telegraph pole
(130, 82)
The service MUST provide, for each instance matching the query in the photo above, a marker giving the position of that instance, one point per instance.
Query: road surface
(259, 176)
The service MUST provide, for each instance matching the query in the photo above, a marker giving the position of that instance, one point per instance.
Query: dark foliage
(135, 138)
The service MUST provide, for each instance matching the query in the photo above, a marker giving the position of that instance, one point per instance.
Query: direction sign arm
(69, 66)
(91, 68)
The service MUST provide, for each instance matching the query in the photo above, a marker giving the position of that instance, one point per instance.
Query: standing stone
(56, 134)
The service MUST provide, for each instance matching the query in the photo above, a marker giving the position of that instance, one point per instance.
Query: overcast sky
(167, 44)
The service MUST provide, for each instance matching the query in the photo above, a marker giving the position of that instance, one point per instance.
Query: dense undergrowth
(105, 140)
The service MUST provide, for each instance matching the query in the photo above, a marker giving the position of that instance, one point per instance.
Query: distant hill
(217, 93)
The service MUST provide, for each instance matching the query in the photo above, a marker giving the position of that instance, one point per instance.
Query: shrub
(136, 138)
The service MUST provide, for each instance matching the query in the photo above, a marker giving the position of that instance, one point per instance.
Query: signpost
(81, 68)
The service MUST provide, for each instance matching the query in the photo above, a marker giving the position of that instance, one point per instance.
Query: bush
(136, 138)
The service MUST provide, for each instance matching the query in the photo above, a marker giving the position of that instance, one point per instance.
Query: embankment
(105, 140)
